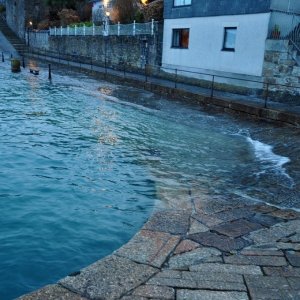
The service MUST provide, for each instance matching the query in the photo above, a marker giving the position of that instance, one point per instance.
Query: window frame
(224, 48)
(182, 5)
(180, 30)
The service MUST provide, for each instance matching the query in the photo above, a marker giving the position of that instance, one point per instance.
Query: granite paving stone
(237, 228)
(287, 271)
(273, 294)
(149, 247)
(266, 282)
(227, 268)
(197, 227)
(234, 214)
(265, 220)
(288, 246)
(263, 208)
(186, 246)
(210, 295)
(212, 276)
(208, 204)
(220, 242)
(295, 238)
(293, 258)
(261, 252)
(285, 214)
(155, 292)
(183, 261)
(294, 283)
(171, 221)
(275, 261)
(52, 292)
(208, 220)
(109, 278)
(134, 298)
(173, 282)
(275, 233)
(194, 284)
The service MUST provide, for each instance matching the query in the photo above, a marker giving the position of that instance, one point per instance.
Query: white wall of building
(206, 42)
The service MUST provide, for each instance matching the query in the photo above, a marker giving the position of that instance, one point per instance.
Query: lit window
(182, 2)
(229, 38)
(180, 38)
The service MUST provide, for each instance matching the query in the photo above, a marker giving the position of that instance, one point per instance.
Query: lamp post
(28, 27)
(107, 14)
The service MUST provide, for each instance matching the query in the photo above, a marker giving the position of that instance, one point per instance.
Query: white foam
(271, 161)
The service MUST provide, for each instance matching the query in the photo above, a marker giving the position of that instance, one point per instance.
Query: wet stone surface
(219, 250)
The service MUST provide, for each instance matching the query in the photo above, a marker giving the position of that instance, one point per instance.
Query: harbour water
(83, 164)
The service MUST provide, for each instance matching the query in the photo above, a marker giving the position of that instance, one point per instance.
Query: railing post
(119, 27)
(61, 30)
(146, 74)
(93, 29)
(266, 95)
(84, 29)
(152, 27)
(212, 87)
(68, 30)
(134, 27)
(55, 31)
(176, 75)
(75, 30)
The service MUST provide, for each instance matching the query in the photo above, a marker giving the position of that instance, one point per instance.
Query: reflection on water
(83, 163)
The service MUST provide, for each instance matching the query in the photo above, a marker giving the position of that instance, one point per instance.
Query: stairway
(294, 38)
(15, 41)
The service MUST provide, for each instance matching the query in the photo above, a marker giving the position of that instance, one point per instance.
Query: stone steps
(15, 41)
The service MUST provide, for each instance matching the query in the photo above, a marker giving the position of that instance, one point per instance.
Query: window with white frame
(229, 38)
(182, 2)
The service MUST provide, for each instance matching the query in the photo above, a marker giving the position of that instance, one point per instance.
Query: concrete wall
(20, 12)
(133, 51)
(204, 8)
(15, 16)
(206, 42)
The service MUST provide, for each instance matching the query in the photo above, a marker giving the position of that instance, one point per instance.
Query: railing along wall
(285, 26)
(106, 29)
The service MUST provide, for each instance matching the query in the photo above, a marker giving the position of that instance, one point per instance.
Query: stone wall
(281, 70)
(115, 51)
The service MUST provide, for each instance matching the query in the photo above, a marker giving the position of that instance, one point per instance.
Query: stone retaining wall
(280, 68)
(114, 51)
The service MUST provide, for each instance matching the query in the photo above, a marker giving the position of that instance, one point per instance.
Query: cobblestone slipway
(199, 248)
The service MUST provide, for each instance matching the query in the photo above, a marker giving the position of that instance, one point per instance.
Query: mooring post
(2, 57)
(50, 75)
(23, 62)
(176, 74)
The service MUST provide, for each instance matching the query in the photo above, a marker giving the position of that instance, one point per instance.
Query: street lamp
(107, 14)
(28, 27)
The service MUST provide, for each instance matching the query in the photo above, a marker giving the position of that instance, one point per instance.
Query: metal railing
(261, 93)
(285, 26)
(106, 29)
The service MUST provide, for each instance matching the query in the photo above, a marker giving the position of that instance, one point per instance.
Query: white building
(223, 37)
